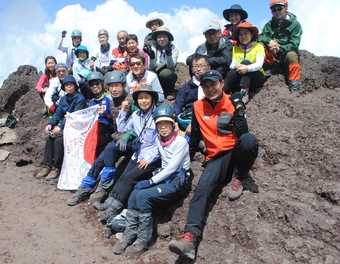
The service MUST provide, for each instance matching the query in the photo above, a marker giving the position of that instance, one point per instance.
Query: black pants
(234, 81)
(54, 152)
(131, 175)
(217, 173)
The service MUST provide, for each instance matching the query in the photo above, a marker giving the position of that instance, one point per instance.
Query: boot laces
(187, 237)
(236, 184)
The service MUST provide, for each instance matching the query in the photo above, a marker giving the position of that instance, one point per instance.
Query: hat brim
(160, 21)
(164, 118)
(156, 33)
(153, 94)
(226, 13)
(212, 78)
(237, 29)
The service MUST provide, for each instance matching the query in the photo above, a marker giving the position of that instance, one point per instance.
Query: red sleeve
(41, 83)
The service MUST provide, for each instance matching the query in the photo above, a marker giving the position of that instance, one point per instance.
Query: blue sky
(30, 29)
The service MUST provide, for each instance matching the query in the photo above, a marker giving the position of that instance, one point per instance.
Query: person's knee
(166, 74)
(292, 57)
(248, 141)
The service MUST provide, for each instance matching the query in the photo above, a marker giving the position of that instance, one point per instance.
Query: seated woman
(45, 78)
(145, 158)
(163, 60)
(167, 184)
(132, 48)
(246, 71)
(105, 129)
(235, 15)
(54, 148)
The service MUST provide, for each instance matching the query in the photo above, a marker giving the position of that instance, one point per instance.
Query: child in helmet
(103, 171)
(83, 62)
(105, 129)
(167, 184)
(145, 158)
(76, 37)
(54, 148)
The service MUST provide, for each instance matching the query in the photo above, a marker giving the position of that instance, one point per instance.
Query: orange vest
(206, 117)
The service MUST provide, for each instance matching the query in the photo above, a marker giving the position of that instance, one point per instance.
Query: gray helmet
(95, 75)
(103, 32)
(76, 33)
(115, 77)
(147, 89)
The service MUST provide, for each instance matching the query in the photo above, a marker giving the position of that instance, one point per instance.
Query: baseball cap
(211, 75)
(60, 65)
(212, 26)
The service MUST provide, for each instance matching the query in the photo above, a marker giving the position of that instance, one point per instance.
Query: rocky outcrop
(295, 218)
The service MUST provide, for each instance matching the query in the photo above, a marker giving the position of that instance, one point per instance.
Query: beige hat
(163, 30)
(160, 21)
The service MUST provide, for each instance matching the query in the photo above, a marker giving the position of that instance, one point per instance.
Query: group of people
(130, 84)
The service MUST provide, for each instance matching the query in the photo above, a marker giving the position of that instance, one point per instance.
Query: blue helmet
(164, 112)
(76, 33)
(115, 77)
(95, 75)
(81, 48)
(184, 119)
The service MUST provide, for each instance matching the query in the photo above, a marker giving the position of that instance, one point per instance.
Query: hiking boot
(115, 207)
(295, 92)
(44, 172)
(54, 181)
(97, 196)
(136, 249)
(185, 247)
(74, 200)
(53, 174)
(103, 206)
(171, 96)
(120, 246)
(235, 188)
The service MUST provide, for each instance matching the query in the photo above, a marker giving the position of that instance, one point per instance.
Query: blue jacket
(67, 104)
(187, 95)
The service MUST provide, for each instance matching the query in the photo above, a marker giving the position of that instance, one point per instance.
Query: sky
(31, 29)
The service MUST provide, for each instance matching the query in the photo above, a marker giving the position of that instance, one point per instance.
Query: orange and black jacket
(219, 126)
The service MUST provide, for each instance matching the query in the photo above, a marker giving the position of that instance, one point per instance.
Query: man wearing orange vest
(281, 37)
(220, 120)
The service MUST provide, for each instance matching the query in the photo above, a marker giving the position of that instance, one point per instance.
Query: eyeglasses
(277, 9)
(61, 71)
(138, 63)
(200, 66)
(95, 83)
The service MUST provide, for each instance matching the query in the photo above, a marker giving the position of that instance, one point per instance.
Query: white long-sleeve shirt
(55, 87)
(71, 58)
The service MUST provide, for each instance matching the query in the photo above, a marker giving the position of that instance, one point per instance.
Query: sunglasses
(95, 83)
(277, 9)
(138, 63)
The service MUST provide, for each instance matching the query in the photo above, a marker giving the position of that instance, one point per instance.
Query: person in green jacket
(281, 37)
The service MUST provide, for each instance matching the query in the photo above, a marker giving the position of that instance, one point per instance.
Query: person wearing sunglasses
(54, 92)
(139, 75)
(221, 121)
(281, 37)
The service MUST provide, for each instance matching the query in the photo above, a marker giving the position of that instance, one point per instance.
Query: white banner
(80, 143)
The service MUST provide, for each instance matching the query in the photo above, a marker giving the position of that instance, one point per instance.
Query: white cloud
(26, 39)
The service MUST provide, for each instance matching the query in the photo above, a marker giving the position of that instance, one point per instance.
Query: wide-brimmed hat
(235, 9)
(160, 21)
(245, 25)
(162, 30)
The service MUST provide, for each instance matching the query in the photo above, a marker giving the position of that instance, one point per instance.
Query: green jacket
(288, 34)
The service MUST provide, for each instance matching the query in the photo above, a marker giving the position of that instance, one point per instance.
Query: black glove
(168, 49)
(63, 33)
(121, 144)
(236, 99)
(149, 51)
